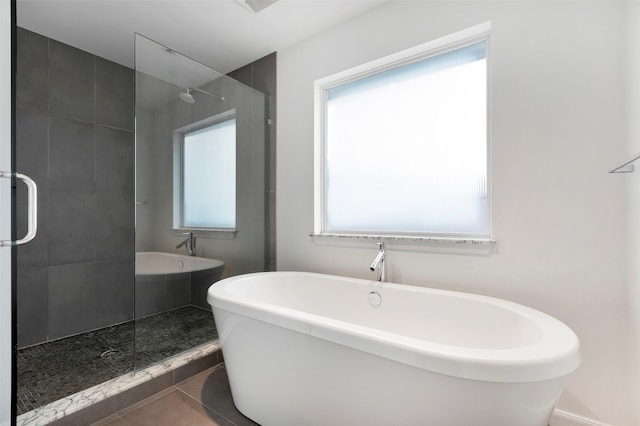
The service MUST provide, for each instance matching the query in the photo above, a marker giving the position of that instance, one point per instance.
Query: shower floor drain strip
(109, 352)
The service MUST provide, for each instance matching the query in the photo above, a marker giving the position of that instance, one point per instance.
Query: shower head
(188, 97)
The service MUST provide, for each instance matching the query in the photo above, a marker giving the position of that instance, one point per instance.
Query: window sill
(226, 234)
(463, 245)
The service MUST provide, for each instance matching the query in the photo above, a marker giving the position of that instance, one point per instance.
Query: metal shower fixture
(187, 97)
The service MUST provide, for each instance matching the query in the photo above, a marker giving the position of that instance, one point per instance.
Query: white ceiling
(219, 33)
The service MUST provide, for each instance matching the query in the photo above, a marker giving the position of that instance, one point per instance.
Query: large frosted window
(405, 150)
(209, 177)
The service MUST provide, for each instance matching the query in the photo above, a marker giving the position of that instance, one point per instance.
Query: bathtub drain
(375, 299)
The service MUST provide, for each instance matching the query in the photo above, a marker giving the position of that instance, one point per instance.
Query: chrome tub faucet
(378, 263)
(189, 243)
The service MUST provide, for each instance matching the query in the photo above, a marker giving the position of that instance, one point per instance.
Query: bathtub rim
(210, 263)
(555, 355)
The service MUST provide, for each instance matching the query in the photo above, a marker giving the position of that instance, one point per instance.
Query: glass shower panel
(75, 280)
(200, 189)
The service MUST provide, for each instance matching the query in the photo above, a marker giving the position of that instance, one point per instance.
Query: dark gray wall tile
(114, 231)
(71, 82)
(32, 66)
(150, 297)
(71, 299)
(200, 283)
(113, 281)
(264, 74)
(244, 74)
(114, 94)
(85, 233)
(32, 313)
(114, 242)
(115, 160)
(32, 143)
(71, 155)
(179, 113)
(178, 293)
(72, 221)
(204, 106)
(31, 159)
(264, 80)
(261, 75)
(32, 130)
(87, 296)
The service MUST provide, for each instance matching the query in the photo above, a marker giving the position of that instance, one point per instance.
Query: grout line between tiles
(206, 371)
(207, 407)
(130, 409)
(123, 420)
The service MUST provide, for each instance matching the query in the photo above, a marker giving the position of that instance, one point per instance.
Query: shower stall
(129, 165)
(200, 192)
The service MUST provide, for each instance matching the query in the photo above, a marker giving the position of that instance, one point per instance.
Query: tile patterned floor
(202, 400)
(160, 336)
(56, 369)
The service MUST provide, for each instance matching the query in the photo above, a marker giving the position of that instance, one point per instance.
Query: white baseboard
(564, 418)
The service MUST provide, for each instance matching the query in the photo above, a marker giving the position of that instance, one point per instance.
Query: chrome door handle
(32, 209)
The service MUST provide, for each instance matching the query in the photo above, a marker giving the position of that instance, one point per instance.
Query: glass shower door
(200, 195)
(6, 350)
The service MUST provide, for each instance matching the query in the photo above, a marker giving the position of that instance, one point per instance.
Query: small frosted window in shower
(209, 177)
(405, 149)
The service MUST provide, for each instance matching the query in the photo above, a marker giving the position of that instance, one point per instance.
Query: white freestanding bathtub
(311, 349)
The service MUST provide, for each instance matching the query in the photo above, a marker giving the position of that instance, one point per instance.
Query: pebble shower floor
(53, 370)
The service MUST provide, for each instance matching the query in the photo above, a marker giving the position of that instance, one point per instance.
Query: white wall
(558, 125)
(633, 210)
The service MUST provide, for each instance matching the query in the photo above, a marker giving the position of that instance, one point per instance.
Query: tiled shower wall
(261, 75)
(75, 138)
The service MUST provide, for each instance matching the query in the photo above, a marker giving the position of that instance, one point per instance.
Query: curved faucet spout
(378, 263)
(379, 258)
(189, 243)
